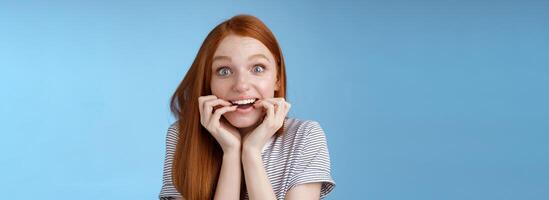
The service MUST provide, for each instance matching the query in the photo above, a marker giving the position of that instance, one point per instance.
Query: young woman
(232, 138)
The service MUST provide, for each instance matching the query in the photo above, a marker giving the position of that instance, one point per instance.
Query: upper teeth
(243, 101)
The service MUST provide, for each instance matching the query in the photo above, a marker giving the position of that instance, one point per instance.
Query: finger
(213, 103)
(279, 104)
(206, 112)
(282, 108)
(286, 111)
(217, 114)
(285, 105)
(270, 109)
(201, 101)
(208, 106)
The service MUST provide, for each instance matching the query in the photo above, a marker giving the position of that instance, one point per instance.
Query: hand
(226, 135)
(277, 109)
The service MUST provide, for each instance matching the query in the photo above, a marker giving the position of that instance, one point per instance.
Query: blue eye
(224, 71)
(258, 68)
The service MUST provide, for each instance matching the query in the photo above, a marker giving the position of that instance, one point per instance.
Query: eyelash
(218, 71)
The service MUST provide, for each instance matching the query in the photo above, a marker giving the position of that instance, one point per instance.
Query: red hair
(198, 156)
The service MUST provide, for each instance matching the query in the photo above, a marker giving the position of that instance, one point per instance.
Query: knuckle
(209, 103)
(218, 111)
(222, 110)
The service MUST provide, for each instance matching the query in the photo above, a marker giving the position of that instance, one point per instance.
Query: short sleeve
(313, 162)
(168, 191)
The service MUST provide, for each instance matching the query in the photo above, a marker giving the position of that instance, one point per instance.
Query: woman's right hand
(226, 135)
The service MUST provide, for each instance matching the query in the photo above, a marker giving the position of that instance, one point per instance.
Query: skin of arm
(257, 181)
(304, 191)
(258, 184)
(228, 184)
(228, 137)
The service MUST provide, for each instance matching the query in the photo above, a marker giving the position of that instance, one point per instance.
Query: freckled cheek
(218, 88)
(266, 88)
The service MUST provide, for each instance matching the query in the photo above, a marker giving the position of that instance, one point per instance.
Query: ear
(277, 85)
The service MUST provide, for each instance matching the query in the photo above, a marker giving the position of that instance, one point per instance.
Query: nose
(242, 83)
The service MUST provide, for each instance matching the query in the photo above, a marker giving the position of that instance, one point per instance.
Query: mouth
(244, 103)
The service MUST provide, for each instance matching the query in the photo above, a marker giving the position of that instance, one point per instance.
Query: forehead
(241, 47)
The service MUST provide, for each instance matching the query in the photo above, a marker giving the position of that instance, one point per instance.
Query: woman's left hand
(277, 109)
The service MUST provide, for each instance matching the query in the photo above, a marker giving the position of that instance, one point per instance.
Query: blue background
(419, 99)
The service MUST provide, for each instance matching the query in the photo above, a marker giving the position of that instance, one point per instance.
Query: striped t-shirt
(300, 155)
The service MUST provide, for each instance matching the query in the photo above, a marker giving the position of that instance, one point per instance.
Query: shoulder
(172, 134)
(301, 130)
(302, 126)
(174, 126)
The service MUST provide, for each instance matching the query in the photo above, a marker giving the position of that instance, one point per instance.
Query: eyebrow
(249, 58)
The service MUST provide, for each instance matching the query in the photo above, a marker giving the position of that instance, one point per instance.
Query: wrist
(232, 152)
(250, 149)
(250, 153)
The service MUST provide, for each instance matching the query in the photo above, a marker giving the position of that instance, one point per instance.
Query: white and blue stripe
(300, 155)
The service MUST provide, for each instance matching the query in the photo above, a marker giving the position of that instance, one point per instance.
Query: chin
(240, 120)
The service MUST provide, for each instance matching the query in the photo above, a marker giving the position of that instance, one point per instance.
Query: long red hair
(198, 156)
